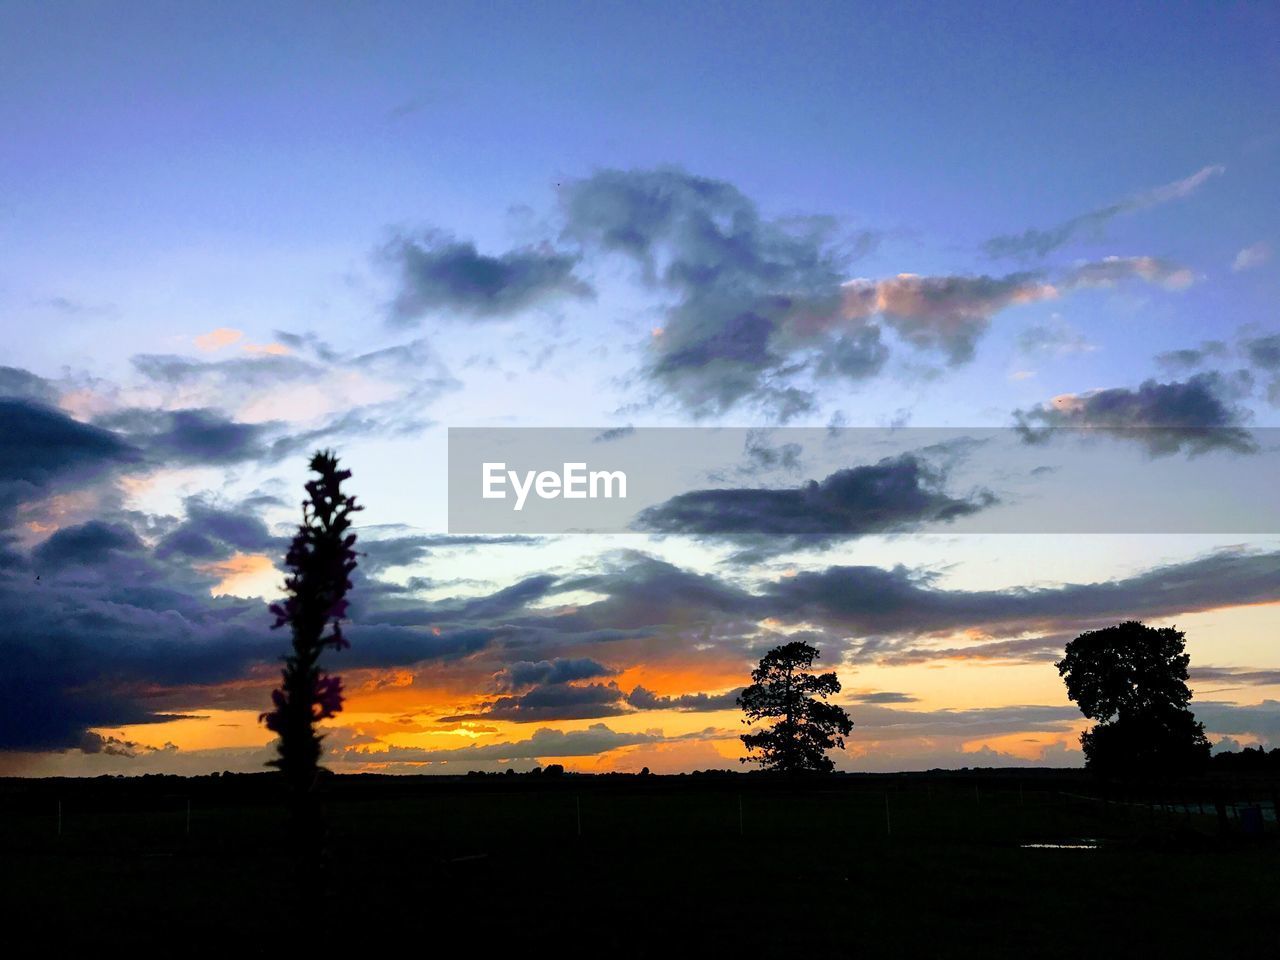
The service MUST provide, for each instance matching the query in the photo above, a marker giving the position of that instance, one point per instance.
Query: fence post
(888, 824)
(741, 831)
(59, 818)
(577, 804)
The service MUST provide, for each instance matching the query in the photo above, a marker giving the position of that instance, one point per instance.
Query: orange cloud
(243, 575)
(218, 339)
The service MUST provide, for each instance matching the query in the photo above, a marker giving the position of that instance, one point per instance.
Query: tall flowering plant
(320, 559)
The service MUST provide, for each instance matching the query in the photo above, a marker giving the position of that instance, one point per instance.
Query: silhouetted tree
(320, 558)
(784, 690)
(1132, 679)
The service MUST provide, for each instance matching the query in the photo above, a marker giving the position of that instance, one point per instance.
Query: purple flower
(320, 559)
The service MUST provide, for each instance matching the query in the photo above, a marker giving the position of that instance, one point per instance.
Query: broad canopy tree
(1132, 680)
(785, 691)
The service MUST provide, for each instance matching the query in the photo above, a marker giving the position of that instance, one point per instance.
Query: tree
(1132, 679)
(321, 559)
(784, 690)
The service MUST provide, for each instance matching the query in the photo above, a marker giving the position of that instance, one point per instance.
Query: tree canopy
(784, 690)
(1132, 680)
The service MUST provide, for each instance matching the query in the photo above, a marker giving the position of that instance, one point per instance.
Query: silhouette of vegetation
(1132, 679)
(321, 559)
(784, 690)
(1256, 759)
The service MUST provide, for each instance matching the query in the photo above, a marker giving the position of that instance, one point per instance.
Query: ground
(932, 866)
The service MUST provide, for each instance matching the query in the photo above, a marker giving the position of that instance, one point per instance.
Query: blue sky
(226, 209)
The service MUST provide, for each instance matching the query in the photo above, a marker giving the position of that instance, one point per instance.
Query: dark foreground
(664, 866)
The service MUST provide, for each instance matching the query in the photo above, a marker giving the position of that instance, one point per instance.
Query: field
(926, 865)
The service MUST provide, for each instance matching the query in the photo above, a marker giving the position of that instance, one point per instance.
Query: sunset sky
(233, 235)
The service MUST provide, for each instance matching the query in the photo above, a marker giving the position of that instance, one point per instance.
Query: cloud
(217, 339)
(42, 451)
(746, 287)
(379, 554)
(1111, 271)
(645, 699)
(439, 274)
(1234, 676)
(872, 602)
(94, 743)
(947, 314)
(89, 543)
(195, 436)
(17, 384)
(210, 532)
(1194, 415)
(1251, 257)
(1056, 338)
(1191, 357)
(285, 403)
(879, 723)
(764, 308)
(526, 673)
(546, 742)
(553, 701)
(1263, 354)
(882, 697)
(1260, 721)
(1040, 243)
(894, 494)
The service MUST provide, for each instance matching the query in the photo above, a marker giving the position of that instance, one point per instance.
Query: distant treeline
(1248, 760)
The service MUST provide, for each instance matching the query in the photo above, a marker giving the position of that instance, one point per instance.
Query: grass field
(862, 866)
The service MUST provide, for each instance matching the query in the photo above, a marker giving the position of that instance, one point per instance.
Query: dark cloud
(1260, 721)
(43, 451)
(528, 673)
(1191, 357)
(882, 696)
(1040, 243)
(436, 273)
(557, 701)
(873, 722)
(241, 374)
(855, 356)
(1194, 415)
(413, 368)
(557, 695)
(613, 433)
(875, 602)
(947, 314)
(544, 743)
(1264, 354)
(197, 436)
(380, 554)
(745, 286)
(762, 457)
(115, 746)
(763, 307)
(643, 699)
(895, 494)
(1232, 676)
(17, 384)
(89, 543)
(210, 532)
(113, 634)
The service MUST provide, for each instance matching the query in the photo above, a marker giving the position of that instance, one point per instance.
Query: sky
(235, 233)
